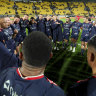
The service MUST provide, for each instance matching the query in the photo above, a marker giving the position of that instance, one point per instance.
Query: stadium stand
(6, 7)
(47, 8)
(92, 7)
(78, 8)
(61, 8)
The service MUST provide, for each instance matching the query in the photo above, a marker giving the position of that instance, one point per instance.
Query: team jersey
(10, 43)
(67, 27)
(84, 88)
(32, 27)
(12, 83)
(93, 31)
(76, 27)
(8, 32)
(86, 29)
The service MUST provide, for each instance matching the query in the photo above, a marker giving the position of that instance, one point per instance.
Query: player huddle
(23, 59)
(14, 32)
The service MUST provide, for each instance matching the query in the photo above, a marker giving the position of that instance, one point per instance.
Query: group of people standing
(13, 32)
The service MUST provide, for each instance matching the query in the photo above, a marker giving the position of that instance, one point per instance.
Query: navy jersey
(23, 24)
(18, 36)
(48, 28)
(32, 27)
(7, 59)
(76, 27)
(66, 31)
(8, 32)
(12, 83)
(86, 29)
(67, 27)
(10, 43)
(41, 25)
(86, 32)
(84, 88)
(93, 31)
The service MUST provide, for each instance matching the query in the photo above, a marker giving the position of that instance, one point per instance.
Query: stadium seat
(60, 8)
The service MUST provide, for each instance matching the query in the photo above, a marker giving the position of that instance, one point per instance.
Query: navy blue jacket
(3, 37)
(41, 25)
(57, 31)
(67, 27)
(7, 59)
(48, 28)
(12, 82)
(84, 88)
(76, 27)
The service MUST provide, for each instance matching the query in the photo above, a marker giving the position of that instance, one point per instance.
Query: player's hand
(4, 41)
(16, 31)
(5, 45)
(14, 36)
(81, 27)
(35, 22)
(57, 23)
(50, 37)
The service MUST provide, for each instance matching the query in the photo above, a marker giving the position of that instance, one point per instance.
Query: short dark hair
(92, 42)
(16, 16)
(37, 49)
(32, 18)
(86, 17)
(89, 19)
(26, 14)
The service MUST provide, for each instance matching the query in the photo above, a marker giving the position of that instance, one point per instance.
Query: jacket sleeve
(7, 59)
(54, 26)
